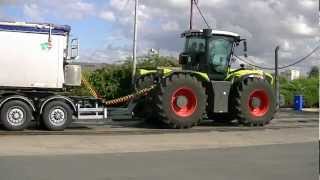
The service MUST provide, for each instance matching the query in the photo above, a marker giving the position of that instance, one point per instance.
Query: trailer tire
(16, 115)
(56, 116)
(181, 101)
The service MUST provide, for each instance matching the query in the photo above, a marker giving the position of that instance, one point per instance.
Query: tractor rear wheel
(254, 102)
(144, 108)
(145, 81)
(181, 101)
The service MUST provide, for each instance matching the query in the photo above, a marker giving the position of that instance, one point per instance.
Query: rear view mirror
(245, 48)
(74, 49)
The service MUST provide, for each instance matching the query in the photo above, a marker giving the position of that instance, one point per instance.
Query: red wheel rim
(262, 107)
(183, 102)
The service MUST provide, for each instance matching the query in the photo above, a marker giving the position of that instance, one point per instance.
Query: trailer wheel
(16, 115)
(56, 116)
(181, 101)
(254, 102)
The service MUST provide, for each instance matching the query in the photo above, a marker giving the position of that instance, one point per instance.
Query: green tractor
(205, 86)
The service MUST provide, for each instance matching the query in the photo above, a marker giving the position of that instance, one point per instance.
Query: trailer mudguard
(58, 97)
(18, 97)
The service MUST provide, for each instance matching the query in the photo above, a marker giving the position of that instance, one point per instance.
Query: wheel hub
(57, 117)
(184, 102)
(15, 116)
(258, 103)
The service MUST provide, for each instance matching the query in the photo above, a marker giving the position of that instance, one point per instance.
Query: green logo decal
(46, 46)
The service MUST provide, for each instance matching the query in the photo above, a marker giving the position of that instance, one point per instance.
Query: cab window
(195, 45)
(220, 49)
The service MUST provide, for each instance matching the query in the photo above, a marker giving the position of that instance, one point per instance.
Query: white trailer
(36, 64)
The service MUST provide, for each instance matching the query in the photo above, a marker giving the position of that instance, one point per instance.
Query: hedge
(307, 87)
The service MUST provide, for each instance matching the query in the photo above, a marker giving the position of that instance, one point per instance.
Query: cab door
(220, 48)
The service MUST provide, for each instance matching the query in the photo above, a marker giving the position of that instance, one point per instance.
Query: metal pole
(276, 77)
(135, 44)
(191, 14)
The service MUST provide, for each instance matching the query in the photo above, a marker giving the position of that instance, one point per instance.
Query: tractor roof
(214, 32)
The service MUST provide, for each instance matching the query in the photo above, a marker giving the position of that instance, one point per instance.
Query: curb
(315, 110)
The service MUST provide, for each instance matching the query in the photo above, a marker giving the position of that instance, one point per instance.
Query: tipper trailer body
(31, 58)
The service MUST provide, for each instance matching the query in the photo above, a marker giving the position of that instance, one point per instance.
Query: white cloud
(33, 11)
(7, 1)
(286, 45)
(78, 9)
(118, 4)
(71, 9)
(108, 16)
(298, 25)
(311, 4)
(170, 26)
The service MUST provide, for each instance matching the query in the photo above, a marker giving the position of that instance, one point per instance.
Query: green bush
(114, 81)
(307, 87)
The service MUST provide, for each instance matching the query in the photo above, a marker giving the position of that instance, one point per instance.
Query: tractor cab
(208, 51)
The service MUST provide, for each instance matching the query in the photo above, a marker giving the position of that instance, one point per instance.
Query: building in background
(291, 74)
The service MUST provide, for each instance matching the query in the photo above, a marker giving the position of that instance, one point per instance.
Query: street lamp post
(134, 51)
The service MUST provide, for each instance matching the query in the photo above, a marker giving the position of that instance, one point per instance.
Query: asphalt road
(283, 119)
(297, 161)
(286, 149)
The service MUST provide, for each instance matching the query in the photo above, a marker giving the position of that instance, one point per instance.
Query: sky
(105, 27)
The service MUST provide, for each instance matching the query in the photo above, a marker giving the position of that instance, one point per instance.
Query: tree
(314, 72)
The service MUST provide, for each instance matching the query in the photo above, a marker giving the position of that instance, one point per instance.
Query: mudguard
(241, 74)
(165, 72)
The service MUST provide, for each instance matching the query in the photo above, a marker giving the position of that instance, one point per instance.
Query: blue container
(298, 103)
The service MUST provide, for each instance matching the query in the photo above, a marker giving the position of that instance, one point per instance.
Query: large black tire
(16, 115)
(145, 81)
(180, 101)
(144, 108)
(254, 102)
(56, 116)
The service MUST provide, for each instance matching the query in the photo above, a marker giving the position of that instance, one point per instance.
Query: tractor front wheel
(254, 102)
(181, 101)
